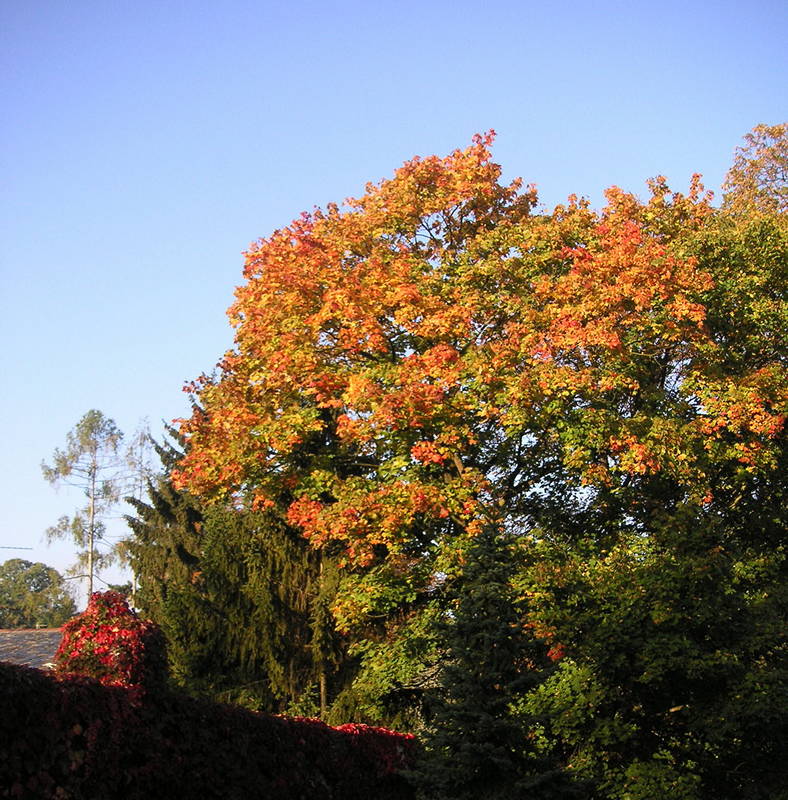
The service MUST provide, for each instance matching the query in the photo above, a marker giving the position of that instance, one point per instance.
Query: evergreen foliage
(474, 746)
(241, 598)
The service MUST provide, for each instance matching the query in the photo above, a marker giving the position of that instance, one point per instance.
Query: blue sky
(145, 144)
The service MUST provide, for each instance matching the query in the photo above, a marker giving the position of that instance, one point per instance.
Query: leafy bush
(110, 643)
(72, 737)
(106, 725)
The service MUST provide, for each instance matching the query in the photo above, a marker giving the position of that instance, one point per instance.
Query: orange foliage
(390, 351)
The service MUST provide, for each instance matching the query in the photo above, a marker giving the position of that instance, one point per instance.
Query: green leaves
(91, 462)
(606, 390)
(33, 596)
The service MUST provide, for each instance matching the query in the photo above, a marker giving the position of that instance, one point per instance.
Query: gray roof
(30, 647)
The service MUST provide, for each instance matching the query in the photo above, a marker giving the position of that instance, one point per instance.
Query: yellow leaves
(635, 457)
(756, 183)
(366, 517)
(756, 406)
(621, 291)
(743, 420)
(434, 324)
(680, 308)
(616, 382)
(595, 474)
(424, 186)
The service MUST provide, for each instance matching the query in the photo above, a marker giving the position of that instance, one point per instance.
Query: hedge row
(72, 737)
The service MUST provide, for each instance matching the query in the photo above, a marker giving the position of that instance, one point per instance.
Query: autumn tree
(758, 180)
(608, 388)
(334, 344)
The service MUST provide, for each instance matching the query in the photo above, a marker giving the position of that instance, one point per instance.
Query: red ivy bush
(388, 750)
(71, 737)
(110, 643)
(107, 725)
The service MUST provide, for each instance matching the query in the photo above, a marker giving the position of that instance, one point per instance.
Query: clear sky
(144, 145)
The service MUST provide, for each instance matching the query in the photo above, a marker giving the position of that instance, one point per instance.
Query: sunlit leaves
(423, 325)
(757, 183)
(436, 359)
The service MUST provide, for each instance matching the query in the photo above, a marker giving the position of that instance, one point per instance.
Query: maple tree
(608, 387)
(758, 180)
(450, 349)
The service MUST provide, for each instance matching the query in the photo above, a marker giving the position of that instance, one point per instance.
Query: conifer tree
(240, 597)
(474, 747)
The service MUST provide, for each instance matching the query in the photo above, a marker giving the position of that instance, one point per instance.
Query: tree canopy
(33, 595)
(758, 180)
(452, 348)
(606, 389)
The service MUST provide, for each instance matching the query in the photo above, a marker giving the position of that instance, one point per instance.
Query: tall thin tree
(91, 462)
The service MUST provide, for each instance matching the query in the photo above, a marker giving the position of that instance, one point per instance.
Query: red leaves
(75, 738)
(556, 652)
(427, 453)
(110, 643)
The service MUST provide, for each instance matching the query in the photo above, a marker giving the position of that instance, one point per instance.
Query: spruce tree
(474, 746)
(240, 597)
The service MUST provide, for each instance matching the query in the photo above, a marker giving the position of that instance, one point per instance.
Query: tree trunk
(91, 529)
(323, 694)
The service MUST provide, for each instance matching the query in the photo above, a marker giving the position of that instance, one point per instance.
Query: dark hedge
(71, 737)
